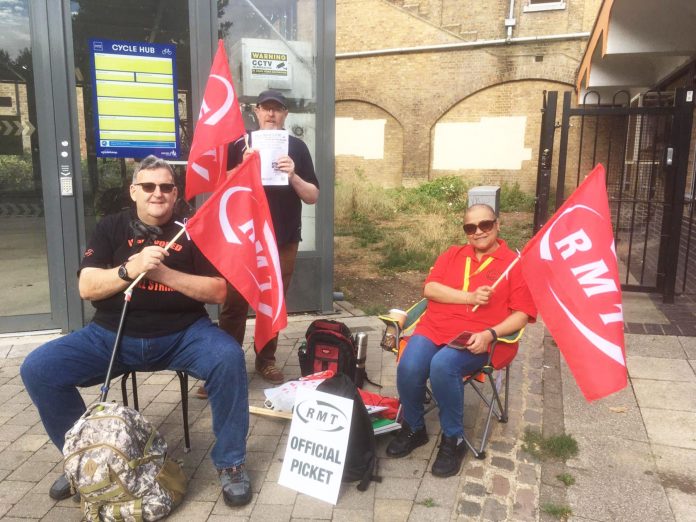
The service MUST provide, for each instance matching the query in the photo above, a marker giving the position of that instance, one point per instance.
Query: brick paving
(508, 484)
(503, 486)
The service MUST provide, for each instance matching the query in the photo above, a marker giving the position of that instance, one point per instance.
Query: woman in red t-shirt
(461, 279)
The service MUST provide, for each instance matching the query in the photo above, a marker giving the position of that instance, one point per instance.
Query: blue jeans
(52, 373)
(445, 366)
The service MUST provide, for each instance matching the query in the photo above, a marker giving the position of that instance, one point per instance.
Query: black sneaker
(60, 490)
(406, 441)
(449, 457)
(236, 486)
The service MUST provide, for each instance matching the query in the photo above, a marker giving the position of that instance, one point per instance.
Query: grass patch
(556, 510)
(566, 478)
(427, 502)
(561, 447)
(410, 227)
(399, 257)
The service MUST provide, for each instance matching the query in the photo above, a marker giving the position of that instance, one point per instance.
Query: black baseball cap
(271, 95)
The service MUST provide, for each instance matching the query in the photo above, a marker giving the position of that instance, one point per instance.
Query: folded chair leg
(504, 413)
(480, 453)
(183, 384)
(124, 388)
(430, 401)
(134, 382)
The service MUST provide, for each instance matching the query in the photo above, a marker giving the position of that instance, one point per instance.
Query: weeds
(410, 227)
(512, 199)
(427, 502)
(558, 511)
(561, 447)
(566, 478)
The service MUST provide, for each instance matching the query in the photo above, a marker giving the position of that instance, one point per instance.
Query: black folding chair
(183, 383)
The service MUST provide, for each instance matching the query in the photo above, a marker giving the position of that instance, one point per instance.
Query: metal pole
(117, 342)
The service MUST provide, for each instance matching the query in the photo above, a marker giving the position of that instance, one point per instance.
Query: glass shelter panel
(271, 44)
(23, 257)
(134, 24)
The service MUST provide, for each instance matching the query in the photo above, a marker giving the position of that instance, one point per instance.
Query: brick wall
(421, 90)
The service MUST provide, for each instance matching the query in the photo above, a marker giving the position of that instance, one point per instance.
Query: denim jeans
(52, 373)
(445, 366)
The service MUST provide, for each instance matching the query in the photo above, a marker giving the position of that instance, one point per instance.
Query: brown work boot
(269, 372)
(202, 393)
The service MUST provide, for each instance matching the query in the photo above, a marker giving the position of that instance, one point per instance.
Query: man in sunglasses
(462, 278)
(285, 205)
(166, 327)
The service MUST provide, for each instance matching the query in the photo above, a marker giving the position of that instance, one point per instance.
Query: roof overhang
(635, 44)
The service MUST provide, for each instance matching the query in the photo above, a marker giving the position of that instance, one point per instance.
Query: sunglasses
(165, 188)
(484, 226)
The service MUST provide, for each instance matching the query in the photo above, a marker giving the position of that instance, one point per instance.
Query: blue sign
(135, 99)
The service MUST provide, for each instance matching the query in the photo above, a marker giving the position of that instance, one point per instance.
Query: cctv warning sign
(315, 454)
(269, 65)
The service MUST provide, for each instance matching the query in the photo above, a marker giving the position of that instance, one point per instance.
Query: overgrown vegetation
(561, 447)
(557, 510)
(410, 227)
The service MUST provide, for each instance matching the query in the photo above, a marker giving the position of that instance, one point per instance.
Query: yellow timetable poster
(135, 99)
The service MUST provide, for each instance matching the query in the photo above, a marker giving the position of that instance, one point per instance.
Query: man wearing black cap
(285, 203)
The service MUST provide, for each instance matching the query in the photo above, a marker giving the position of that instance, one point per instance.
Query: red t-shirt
(443, 322)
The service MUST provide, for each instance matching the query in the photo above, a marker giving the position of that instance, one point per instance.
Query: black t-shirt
(284, 203)
(155, 309)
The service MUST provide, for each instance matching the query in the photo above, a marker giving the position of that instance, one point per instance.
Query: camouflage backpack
(117, 461)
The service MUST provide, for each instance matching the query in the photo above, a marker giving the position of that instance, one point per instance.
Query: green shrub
(512, 199)
(16, 174)
(443, 195)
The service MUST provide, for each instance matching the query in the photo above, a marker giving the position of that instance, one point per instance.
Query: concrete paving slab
(683, 505)
(393, 511)
(665, 395)
(689, 345)
(638, 307)
(617, 414)
(671, 460)
(662, 346)
(616, 480)
(660, 369)
(671, 428)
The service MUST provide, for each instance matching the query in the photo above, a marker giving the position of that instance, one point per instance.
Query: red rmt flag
(571, 269)
(233, 229)
(219, 123)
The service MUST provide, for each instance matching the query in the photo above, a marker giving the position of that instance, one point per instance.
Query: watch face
(123, 273)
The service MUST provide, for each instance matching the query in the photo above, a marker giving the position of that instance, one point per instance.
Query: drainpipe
(464, 45)
(510, 21)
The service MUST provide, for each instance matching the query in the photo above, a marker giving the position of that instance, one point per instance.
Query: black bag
(361, 456)
(330, 346)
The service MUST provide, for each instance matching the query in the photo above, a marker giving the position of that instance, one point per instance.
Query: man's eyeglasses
(485, 226)
(165, 188)
(272, 108)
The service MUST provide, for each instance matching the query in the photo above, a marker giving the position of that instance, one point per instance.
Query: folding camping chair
(496, 369)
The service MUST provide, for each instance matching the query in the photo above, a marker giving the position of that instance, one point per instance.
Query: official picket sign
(316, 450)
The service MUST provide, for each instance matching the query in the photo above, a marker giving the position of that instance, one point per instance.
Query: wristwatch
(123, 273)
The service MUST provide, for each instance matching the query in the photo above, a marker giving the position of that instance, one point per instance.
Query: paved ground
(636, 460)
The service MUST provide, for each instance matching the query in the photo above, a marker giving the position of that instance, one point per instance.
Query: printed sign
(269, 65)
(134, 98)
(316, 450)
